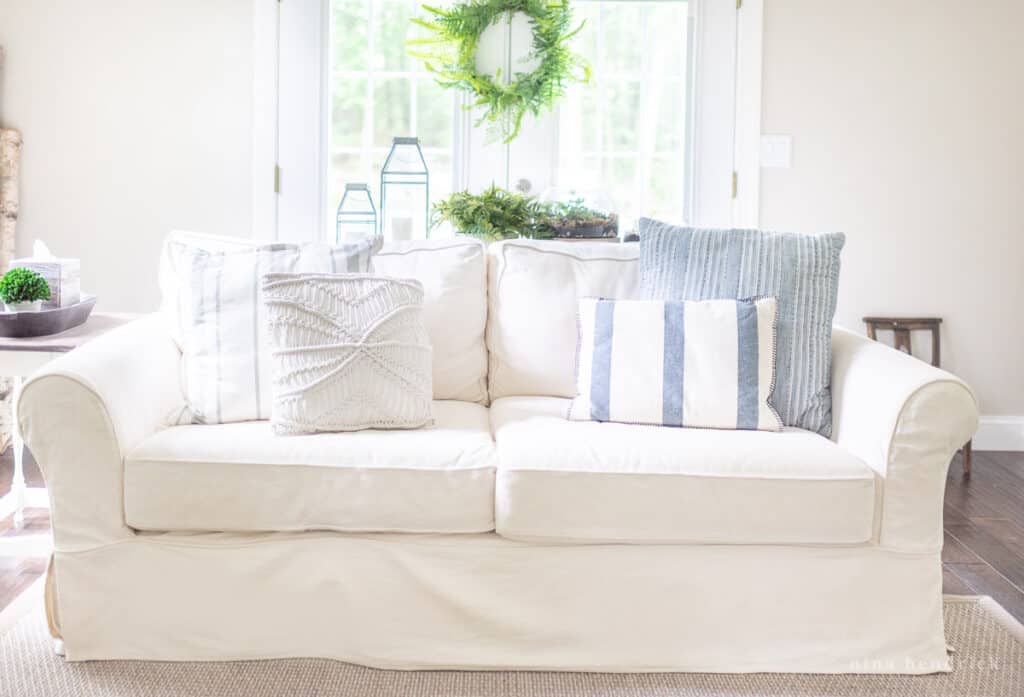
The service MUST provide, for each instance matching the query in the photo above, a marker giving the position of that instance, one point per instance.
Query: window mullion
(368, 108)
(648, 103)
(601, 88)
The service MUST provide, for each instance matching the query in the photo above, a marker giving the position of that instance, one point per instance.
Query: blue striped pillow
(708, 364)
(800, 271)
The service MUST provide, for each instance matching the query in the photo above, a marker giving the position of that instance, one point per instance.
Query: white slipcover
(483, 601)
(241, 477)
(905, 419)
(584, 481)
(534, 292)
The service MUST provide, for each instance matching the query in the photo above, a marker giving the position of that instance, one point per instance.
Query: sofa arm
(905, 419)
(81, 413)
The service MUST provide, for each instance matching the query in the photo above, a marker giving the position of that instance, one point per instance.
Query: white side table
(20, 358)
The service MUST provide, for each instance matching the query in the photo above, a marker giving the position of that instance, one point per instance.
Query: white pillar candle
(401, 227)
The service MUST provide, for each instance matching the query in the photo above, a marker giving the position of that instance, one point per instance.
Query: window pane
(348, 101)
(671, 106)
(670, 18)
(621, 177)
(392, 29)
(392, 110)
(622, 136)
(618, 36)
(620, 108)
(434, 114)
(666, 188)
(439, 162)
(348, 34)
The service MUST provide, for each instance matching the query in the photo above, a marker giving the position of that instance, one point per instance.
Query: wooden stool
(901, 328)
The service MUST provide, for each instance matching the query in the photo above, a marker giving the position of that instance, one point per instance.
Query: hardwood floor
(984, 521)
(983, 554)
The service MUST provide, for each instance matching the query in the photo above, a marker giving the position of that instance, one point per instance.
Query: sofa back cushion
(535, 288)
(454, 277)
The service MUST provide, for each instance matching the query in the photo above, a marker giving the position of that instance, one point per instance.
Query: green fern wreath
(450, 53)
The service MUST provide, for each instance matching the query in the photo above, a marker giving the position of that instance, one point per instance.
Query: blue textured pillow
(800, 271)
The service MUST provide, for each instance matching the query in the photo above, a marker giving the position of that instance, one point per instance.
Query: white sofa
(505, 536)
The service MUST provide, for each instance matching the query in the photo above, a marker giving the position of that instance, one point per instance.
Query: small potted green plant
(23, 290)
(494, 214)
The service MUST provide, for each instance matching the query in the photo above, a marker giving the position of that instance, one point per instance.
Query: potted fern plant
(23, 290)
(494, 214)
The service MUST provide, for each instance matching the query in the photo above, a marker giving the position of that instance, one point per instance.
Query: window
(623, 135)
(654, 133)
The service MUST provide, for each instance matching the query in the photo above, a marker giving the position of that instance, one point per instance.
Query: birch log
(10, 153)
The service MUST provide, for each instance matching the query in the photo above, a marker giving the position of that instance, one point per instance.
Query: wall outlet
(776, 151)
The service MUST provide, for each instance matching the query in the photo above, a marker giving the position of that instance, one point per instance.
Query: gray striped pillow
(222, 323)
(800, 271)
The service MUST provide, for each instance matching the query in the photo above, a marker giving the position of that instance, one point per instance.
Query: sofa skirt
(482, 602)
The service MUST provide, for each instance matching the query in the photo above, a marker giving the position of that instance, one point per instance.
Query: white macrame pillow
(348, 352)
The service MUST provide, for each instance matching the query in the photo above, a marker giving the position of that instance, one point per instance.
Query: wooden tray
(44, 322)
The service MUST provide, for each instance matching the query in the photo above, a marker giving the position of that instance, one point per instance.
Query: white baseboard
(1000, 433)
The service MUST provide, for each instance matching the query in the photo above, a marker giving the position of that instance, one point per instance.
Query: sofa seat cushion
(241, 477)
(571, 481)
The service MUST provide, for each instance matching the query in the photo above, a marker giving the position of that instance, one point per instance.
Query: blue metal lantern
(357, 216)
(405, 192)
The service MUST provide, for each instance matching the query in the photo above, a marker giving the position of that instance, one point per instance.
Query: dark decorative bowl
(603, 229)
(19, 325)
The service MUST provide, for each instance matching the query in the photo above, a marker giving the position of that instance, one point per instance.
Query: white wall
(908, 134)
(136, 118)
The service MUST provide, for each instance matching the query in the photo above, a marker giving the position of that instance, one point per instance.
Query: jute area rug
(988, 662)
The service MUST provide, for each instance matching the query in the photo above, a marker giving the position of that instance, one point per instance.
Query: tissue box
(63, 275)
